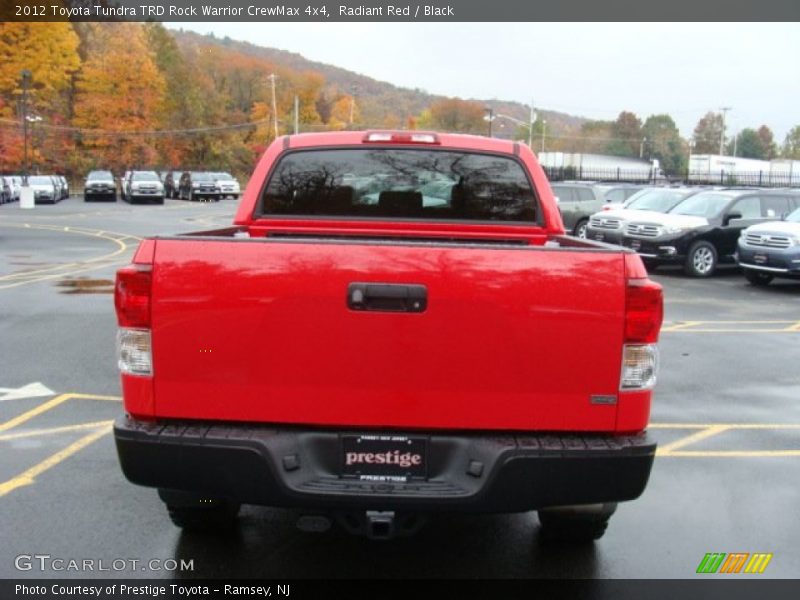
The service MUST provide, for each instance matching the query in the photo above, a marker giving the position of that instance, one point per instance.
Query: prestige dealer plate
(375, 457)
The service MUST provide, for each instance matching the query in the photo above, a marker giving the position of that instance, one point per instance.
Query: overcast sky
(591, 69)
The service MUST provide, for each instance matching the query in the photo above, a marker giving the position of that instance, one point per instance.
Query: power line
(128, 133)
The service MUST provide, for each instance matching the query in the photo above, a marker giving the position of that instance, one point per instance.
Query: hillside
(382, 96)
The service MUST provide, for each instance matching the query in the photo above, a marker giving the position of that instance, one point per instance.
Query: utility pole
(641, 147)
(296, 115)
(724, 110)
(26, 79)
(274, 104)
(530, 127)
(353, 91)
(735, 142)
(489, 117)
(544, 132)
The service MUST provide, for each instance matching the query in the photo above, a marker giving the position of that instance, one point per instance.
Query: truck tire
(580, 228)
(758, 278)
(701, 260)
(575, 524)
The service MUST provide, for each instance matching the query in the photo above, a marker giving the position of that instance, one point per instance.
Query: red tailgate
(512, 338)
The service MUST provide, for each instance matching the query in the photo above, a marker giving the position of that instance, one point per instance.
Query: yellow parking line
(690, 439)
(28, 476)
(679, 326)
(50, 404)
(726, 425)
(54, 430)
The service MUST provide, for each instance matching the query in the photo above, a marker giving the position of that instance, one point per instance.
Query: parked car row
(200, 185)
(700, 228)
(10, 186)
(153, 186)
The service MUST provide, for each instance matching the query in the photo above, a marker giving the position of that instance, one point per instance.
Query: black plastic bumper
(295, 467)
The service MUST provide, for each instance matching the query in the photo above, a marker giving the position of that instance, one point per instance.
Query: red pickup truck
(395, 325)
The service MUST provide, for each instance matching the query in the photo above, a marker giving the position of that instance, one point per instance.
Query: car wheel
(701, 261)
(579, 524)
(580, 229)
(758, 278)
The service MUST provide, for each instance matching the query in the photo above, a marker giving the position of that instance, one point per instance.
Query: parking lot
(726, 415)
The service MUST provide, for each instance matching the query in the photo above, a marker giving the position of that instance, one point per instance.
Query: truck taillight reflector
(135, 351)
(132, 296)
(639, 367)
(644, 310)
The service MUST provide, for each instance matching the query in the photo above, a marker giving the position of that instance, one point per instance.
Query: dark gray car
(577, 202)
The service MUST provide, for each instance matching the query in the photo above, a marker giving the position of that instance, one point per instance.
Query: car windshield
(224, 176)
(402, 183)
(40, 180)
(705, 204)
(203, 177)
(100, 176)
(656, 200)
(794, 216)
(145, 176)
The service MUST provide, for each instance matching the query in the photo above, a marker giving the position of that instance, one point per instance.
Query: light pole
(544, 132)
(489, 117)
(521, 123)
(724, 110)
(641, 147)
(26, 80)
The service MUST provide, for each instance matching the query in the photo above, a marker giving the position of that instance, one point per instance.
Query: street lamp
(521, 123)
(641, 147)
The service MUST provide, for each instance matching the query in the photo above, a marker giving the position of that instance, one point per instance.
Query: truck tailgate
(511, 338)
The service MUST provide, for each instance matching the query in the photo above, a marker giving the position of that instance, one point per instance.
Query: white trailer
(784, 171)
(602, 167)
(728, 170)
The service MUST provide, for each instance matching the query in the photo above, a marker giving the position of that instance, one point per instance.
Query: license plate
(598, 237)
(384, 457)
(636, 244)
(760, 259)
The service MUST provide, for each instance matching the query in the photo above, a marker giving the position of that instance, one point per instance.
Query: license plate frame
(760, 259)
(383, 457)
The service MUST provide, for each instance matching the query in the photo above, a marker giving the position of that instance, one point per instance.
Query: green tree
(454, 115)
(791, 144)
(707, 134)
(748, 144)
(664, 143)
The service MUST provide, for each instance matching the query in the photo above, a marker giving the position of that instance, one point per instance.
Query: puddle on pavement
(86, 286)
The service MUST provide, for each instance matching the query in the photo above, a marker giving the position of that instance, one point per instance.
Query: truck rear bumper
(294, 467)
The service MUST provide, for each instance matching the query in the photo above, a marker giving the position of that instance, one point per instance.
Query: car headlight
(677, 229)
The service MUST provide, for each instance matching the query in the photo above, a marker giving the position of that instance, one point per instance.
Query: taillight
(132, 301)
(132, 296)
(644, 311)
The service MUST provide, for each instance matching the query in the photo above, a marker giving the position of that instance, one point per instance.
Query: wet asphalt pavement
(726, 414)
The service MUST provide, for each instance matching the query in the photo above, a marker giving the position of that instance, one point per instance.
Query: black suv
(199, 185)
(703, 230)
(99, 185)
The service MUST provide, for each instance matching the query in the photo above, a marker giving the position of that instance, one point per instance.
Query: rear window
(400, 183)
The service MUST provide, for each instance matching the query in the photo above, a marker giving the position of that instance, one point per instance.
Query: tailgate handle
(387, 297)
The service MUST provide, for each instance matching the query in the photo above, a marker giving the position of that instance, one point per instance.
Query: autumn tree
(594, 138)
(50, 52)
(454, 115)
(707, 134)
(626, 134)
(664, 143)
(767, 142)
(120, 88)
